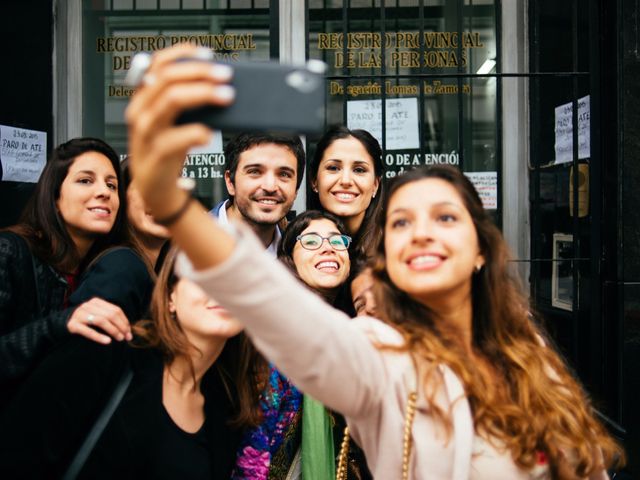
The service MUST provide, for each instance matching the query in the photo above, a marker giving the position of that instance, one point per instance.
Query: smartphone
(269, 96)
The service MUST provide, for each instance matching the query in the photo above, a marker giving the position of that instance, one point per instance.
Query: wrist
(172, 209)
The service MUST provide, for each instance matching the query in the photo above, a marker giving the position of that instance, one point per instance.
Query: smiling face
(264, 187)
(199, 316)
(325, 268)
(88, 201)
(431, 243)
(346, 181)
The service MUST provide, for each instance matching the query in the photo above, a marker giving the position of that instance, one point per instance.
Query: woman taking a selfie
(181, 415)
(455, 381)
(345, 179)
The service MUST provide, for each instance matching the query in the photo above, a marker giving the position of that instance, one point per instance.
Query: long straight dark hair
(365, 239)
(41, 224)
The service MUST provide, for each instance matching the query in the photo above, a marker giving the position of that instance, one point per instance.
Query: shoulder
(378, 331)
(12, 242)
(118, 259)
(15, 253)
(119, 276)
(215, 211)
(124, 254)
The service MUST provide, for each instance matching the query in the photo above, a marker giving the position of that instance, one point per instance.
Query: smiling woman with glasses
(307, 438)
(321, 265)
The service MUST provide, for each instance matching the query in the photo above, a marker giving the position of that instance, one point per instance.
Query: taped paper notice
(564, 131)
(23, 154)
(486, 184)
(401, 121)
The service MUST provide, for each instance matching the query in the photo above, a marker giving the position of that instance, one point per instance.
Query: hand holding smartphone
(269, 96)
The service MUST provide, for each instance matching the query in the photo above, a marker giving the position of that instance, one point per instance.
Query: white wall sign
(214, 145)
(401, 122)
(206, 161)
(564, 131)
(486, 184)
(23, 154)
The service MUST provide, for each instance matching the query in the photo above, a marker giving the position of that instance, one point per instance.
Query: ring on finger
(90, 318)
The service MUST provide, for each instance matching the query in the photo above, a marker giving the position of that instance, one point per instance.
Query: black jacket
(32, 317)
(46, 423)
(30, 292)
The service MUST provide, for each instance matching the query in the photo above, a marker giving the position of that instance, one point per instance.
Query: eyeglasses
(313, 241)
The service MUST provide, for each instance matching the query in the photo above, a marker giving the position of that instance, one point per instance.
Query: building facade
(536, 100)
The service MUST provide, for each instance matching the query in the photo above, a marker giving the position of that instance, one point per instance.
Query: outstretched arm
(315, 345)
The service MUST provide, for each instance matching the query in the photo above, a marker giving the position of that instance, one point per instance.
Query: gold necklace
(343, 457)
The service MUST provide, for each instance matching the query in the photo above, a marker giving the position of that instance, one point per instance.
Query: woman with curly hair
(453, 381)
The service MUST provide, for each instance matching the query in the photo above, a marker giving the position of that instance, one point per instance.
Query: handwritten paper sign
(564, 131)
(486, 184)
(23, 154)
(401, 122)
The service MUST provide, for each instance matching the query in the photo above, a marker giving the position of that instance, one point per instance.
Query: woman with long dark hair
(454, 381)
(75, 213)
(190, 396)
(345, 179)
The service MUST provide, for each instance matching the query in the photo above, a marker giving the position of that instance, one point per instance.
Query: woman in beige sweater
(454, 381)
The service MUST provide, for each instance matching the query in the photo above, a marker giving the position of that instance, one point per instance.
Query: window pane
(392, 72)
(560, 32)
(111, 40)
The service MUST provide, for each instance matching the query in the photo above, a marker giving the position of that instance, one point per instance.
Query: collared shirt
(272, 249)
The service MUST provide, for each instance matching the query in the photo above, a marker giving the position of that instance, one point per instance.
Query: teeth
(425, 260)
(100, 210)
(345, 196)
(268, 202)
(333, 265)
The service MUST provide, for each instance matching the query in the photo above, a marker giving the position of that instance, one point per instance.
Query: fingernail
(149, 79)
(120, 337)
(225, 92)
(106, 341)
(202, 53)
(221, 72)
(129, 337)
